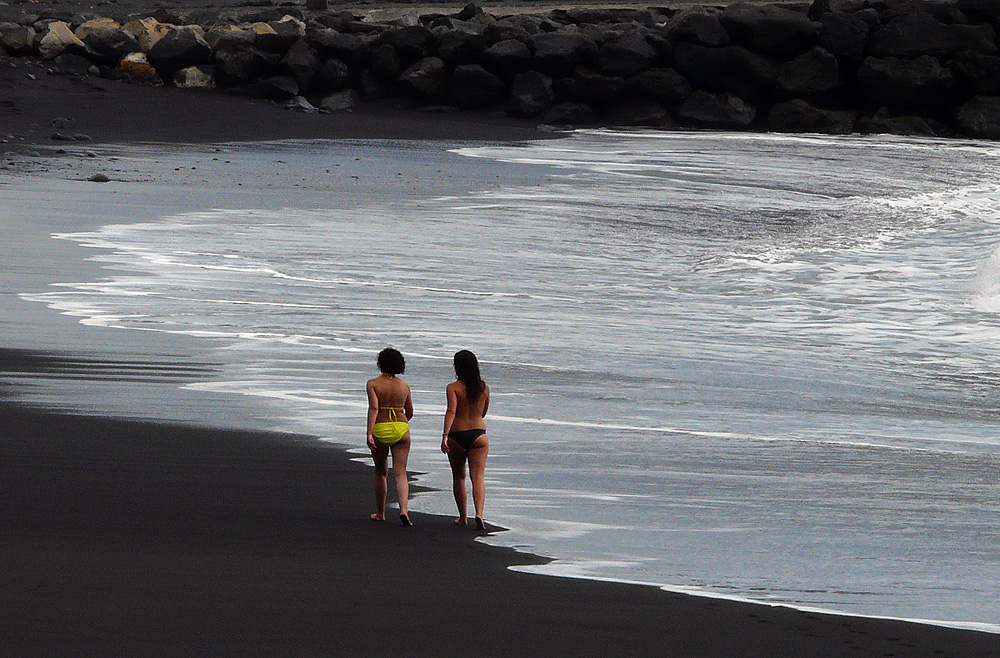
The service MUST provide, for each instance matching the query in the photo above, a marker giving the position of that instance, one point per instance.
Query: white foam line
(560, 569)
(612, 426)
(243, 302)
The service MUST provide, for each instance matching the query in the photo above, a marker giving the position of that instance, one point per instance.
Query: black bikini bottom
(466, 438)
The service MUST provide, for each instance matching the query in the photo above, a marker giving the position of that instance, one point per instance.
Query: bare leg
(477, 469)
(381, 458)
(456, 457)
(400, 453)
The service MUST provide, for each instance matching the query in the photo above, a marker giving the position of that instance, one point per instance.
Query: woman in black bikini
(465, 434)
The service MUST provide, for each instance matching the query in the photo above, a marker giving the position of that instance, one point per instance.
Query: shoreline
(196, 511)
(975, 627)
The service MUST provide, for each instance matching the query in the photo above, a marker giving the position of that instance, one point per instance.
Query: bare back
(389, 394)
(468, 415)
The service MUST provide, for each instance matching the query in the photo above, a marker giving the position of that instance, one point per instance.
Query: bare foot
(460, 521)
(405, 520)
(480, 524)
(377, 517)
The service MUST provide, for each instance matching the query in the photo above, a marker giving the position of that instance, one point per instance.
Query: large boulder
(147, 31)
(473, 86)
(411, 43)
(70, 64)
(332, 74)
(666, 86)
(884, 122)
(798, 116)
(896, 83)
(279, 88)
(221, 37)
(18, 40)
(180, 47)
(342, 101)
(427, 79)
(581, 15)
(195, 77)
(60, 39)
(978, 74)
(303, 63)
(518, 26)
(110, 45)
(352, 49)
(918, 33)
(267, 39)
(461, 47)
(980, 117)
(820, 8)
(811, 74)
(589, 87)
(95, 25)
(384, 63)
(504, 30)
(287, 30)
(844, 35)
(238, 66)
(531, 93)
(558, 53)
(627, 55)
(769, 29)
(507, 58)
(698, 25)
(987, 11)
(731, 68)
(721, 110)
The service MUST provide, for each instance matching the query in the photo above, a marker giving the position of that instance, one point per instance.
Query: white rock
(195, 77)
(59, 39)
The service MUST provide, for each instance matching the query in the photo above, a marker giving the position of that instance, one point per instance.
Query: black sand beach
(125, 538)
(129, 538)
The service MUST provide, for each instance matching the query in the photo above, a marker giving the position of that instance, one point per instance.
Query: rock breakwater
(830, 66)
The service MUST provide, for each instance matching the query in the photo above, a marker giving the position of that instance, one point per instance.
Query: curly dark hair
(391, 361)
(467, 371)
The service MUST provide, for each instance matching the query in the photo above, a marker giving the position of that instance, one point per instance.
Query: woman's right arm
(372, 415)
(449, 416)
(408, 405)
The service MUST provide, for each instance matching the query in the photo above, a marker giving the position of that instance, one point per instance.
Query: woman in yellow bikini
(389, 411)
(465, 437)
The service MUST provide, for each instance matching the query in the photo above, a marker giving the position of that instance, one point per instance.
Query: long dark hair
(467, 371)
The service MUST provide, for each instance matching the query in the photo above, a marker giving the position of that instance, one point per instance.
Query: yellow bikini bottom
(390, 433)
